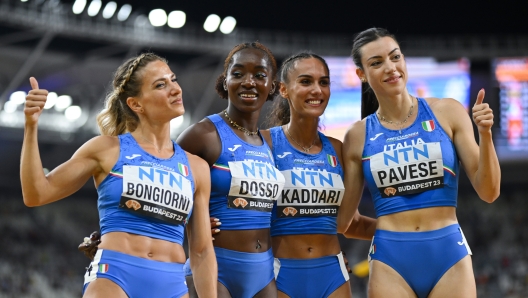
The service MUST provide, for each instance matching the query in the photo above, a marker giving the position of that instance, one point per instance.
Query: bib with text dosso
(310, 193)
(157, 193)
(408, 169)
(254, 185)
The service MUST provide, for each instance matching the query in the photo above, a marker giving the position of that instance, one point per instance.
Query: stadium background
(74, 55)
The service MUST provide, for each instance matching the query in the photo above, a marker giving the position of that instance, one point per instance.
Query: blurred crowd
(39, 256)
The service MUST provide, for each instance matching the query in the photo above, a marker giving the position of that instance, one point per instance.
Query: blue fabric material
(116, 217)
(244, 274)
(421, 258)
(416, 167)
(138, 277)
(305, 175)
(236, 150)
(310, 278)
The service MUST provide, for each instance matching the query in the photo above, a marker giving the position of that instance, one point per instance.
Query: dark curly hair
(219, 87)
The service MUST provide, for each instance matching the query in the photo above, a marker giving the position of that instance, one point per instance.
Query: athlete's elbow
(490, 196)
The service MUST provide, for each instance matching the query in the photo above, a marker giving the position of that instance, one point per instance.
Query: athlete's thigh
(282, 294)
(344, 291)
(269, 291)
(458, 281)
(386, 282)
(223, 292)
(103, 287)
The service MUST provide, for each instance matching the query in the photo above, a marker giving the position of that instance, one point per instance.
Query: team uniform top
(416, 167)
(313, 188)
(146, 195)
(244, 182)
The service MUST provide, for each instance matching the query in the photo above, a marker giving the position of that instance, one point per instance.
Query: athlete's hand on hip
(35, 101)
(482, 114)
(215, 223)
(90, 245)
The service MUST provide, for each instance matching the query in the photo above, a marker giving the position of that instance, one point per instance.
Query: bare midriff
(253, 241)
(305, 246)
(418, 220)
(143, 247)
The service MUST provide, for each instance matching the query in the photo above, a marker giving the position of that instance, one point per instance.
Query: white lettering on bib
(254, 185)
(162, 194)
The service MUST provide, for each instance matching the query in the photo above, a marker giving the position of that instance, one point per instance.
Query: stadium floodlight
(211, 23)
(124, 12)
(177, 19)
(18, 97)
(78, 6)
(94, 8)
(63, 102)
(228, 24)
(51, 101)
(109, 10)
(10, 107)
(23, 0)
(73, 113)
(157, 17)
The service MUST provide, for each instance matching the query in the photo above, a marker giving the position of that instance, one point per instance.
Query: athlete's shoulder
(99, 144)
(266, 134)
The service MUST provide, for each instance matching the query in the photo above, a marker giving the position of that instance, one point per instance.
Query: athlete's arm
(479, 161)
(363, 227)
(201, 252)
(39, 189)
(201, 139)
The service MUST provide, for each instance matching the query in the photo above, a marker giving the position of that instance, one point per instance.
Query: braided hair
(280, 110)
(219, 87)
(117, 118)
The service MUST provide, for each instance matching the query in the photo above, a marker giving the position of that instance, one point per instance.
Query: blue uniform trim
(288, 157)
(132, 274)
(421, 258)
(235, 149)
(244, 274)
(318, 277)
(424, 190)
(116, 219)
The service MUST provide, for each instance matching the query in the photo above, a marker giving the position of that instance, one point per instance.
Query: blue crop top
(412, 169)
(313, 190)
(146, 195)
(244, 182)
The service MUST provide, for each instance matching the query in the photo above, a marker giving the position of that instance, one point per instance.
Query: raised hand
(482, 114)
(35, 101)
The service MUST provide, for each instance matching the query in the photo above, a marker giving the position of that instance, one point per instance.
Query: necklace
(245, 130)
(159, 149)
(305, 149)
(401, 123)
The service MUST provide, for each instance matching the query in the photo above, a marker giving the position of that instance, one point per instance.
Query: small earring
(363, 80)
(225, 88)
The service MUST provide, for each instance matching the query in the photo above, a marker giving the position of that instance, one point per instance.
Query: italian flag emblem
(332, 160)
(103, 268)
(184, 170)
(428, 125)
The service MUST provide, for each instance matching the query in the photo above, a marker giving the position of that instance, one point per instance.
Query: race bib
(310, 193)
(157, 193)
(408, 170)
(254, 185)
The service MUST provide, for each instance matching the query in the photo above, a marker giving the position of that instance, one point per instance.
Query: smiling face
(249, 79)
(307, 87)
(383, 67)
(160, 97)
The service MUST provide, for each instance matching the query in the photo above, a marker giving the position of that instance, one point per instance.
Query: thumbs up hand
(35, 101)
(482, 114)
